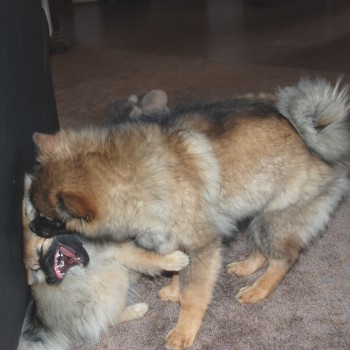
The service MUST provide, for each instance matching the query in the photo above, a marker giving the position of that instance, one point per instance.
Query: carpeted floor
(311, 307)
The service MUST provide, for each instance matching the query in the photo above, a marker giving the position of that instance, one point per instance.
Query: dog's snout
(38, 226)
(46, 227)
(34, 226)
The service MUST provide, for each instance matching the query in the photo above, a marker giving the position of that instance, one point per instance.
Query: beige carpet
(311, 307)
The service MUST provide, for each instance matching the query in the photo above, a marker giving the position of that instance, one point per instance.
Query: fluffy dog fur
(89, 299)
(183, 180)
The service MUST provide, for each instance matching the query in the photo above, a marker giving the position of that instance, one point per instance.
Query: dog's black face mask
(64, 252)
(47, 228)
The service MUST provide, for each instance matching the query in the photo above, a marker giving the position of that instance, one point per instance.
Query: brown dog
(182, 180)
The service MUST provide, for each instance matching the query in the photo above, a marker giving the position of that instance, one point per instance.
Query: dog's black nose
(32, 226)
(35, 226)
(38, 226)
(47, 228)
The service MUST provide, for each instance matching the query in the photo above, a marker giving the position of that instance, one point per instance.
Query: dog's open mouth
(64, 252)
(65, 258)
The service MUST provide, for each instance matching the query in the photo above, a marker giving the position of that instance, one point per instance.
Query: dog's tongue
(66, 251)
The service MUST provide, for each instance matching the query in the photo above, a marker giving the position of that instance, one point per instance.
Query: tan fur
(186, 184)
(171, 292)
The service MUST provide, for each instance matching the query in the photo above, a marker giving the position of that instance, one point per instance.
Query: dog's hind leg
(266, 284)
(280, 235)
(133, 312)
(276, 236)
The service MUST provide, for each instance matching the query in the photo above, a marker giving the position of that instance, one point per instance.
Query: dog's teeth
(60, 260)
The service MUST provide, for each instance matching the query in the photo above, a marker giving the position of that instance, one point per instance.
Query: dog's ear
(44, 142)
(47, 144)
(77, 205)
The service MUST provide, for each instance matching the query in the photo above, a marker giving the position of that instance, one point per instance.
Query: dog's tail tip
(316, 101)
(319, 112)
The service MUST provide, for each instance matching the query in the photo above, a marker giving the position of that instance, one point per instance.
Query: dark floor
(195, 47)
(304, 34)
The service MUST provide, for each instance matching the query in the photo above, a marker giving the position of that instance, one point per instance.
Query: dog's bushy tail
(320, 114)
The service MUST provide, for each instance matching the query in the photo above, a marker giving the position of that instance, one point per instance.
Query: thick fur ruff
(183, 180)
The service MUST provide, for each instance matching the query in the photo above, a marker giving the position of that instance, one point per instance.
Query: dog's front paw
(175, 261)
(179, 338)
(139, 309)
(133, 312)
